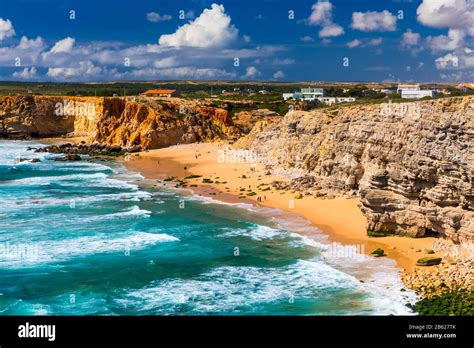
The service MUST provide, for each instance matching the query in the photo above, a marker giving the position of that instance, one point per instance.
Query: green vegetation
(207, 181)
(298, 196)
(378, 252)
(169, 178)
(428, 261)
(192, 177)
(457, 302)
(376, 234)
(251, 194)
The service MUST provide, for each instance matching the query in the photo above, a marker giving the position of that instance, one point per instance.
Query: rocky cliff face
(412, 164)
(114, 121)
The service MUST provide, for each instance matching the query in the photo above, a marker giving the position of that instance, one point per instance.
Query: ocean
(92, 238)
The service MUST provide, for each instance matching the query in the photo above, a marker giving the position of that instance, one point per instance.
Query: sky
(271, 40)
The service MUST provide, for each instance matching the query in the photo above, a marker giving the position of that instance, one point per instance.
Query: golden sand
(339, 218)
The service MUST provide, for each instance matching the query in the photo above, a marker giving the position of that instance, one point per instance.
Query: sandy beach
(339, 218)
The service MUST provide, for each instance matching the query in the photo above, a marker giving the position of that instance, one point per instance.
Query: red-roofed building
(167, 93)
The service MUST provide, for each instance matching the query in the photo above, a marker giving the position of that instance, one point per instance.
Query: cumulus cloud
(307, 38)
(279, 74)
(212, 28)
(322, 16)
(448, 61)
(6, 29)
(364, 42)
(459, 61)
(64, 45)
(409, 38)
(85, 69)
(25, 74)
(453, 14)
(452, 41)
(68, 60)
(374, 21)
(354, 43)
(331, 30)
(26, 43)
(181, 73)
(375, 42)
(28, 50)
(156, 17)
(252, 72)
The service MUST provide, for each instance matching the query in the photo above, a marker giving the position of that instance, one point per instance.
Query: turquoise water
(81, 238)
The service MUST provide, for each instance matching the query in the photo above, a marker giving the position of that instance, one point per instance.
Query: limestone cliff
(412, 164)
(115, 121)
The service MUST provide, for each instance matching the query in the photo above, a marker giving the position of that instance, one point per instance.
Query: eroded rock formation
(114, 121)
(412, 164)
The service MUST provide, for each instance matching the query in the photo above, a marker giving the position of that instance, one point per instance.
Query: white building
(414, 92)
(312, 94)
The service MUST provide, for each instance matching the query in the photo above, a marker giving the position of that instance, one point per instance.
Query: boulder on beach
(378, 252)
(428, 261)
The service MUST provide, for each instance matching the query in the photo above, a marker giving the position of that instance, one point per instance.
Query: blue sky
(399, 40)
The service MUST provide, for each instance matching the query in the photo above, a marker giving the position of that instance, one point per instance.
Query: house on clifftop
(164, 93)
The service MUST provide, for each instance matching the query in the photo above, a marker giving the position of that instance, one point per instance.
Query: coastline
(339, 218)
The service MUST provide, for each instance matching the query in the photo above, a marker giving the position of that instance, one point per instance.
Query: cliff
(115, 121)
(412, 164)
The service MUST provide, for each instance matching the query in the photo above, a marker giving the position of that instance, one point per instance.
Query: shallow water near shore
(83, 238)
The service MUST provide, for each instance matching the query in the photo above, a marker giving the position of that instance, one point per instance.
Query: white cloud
(375, 42)
(26, 43)
(452, 41)
(181, 73)
(364, 42)
(252, 72)
(286, 61)
(165, 63)
(68, 60)
(331, 30)
(279, 74)
(25, 74)
(6, 29)
(307, 38)
(448, 61)
(64, 45)
(374, 21)
(459, 61)
(354, 43)
(452, 14)
(321, 15)
(86, 69)
(409, 38)
(211, 29)
(27, 50)
(247, 38)
(156, 17)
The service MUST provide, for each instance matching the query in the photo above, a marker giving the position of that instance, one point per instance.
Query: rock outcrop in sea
(411, 164)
